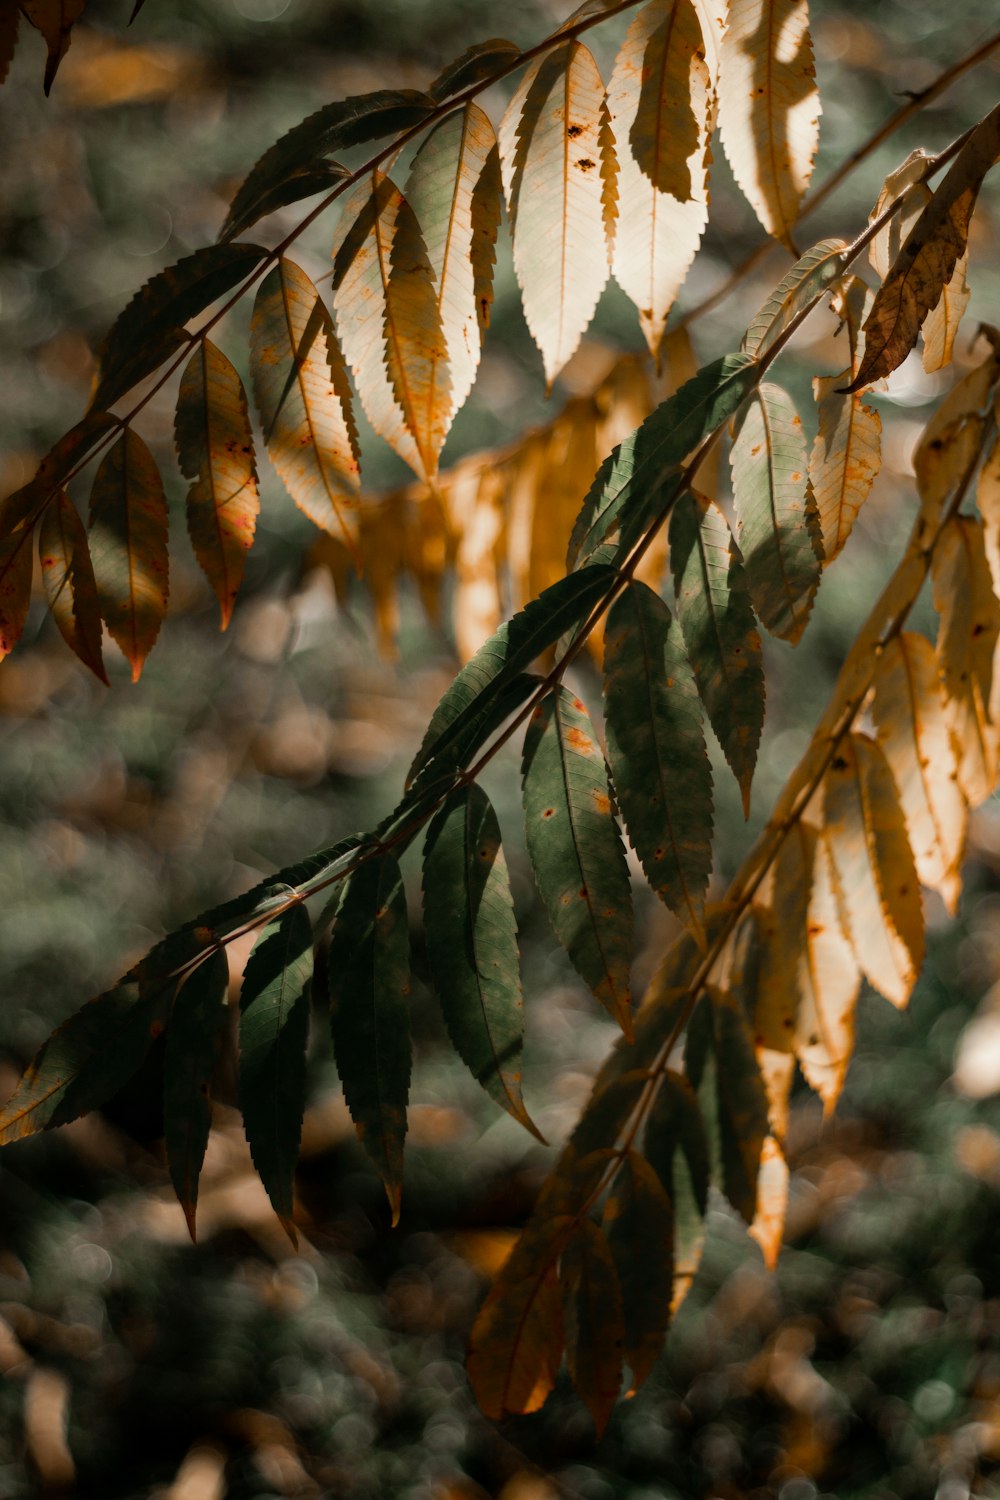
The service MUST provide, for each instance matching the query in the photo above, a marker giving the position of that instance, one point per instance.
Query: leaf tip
(286, 1223)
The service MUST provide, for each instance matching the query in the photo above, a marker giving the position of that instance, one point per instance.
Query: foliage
(767, 977)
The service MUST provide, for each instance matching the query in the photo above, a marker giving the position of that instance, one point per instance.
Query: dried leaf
(966, 649)
(15, 575)
(68, 576)
(950, 443)
(943, 319)
(828, 979)
(128, 544)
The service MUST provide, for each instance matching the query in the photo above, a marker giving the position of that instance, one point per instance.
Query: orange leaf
(128, 533)
(68, 576)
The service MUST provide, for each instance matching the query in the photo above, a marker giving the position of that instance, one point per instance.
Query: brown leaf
(15, 586)
(966, 650)
(128, 535)
(54, 19)
(68, 576)
(9, 17)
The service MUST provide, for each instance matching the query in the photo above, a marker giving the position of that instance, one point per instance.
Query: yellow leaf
(557, 168)
(878, 893)
(128, 534)
(910, 720)
(950, 442)
(966, 646)
(768, 1227)
(660, 100)
(55, 20)
(907, 182)
(472, 499)
(829, 980)
(943, 319)
(68, 576)
(988, 501)
(769, 107)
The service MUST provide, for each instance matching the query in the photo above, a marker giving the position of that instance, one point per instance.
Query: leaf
(554, 170)
(15, 585)
(194, 1037)
(950, 444)
(675, 1126)
(274, 1030)
(592, 1309)
(660, 100)
(769, 108)
(913, 732)
(369, 969)
(8, 38)
(516, 1342)
(476, 64)
(575, 848)
(639, 1224)
(459, 719)
(55, 20)
(303, 399)
(640, 469)
(966, 648)
(944, 317)
(472, 945)
(723, 647)
(215, 450)
(68, 576)
(807, 279)
(828, 977)
(731, 1095)
(988, 502)
(656, 747)
(927, 260)
(128, 545)
(779, 527)
(847, 453)
(302, 153)
(875, 879)
(441, 191)
(151, 327)
(768, 1226)
(906, 183)
(86, 1060)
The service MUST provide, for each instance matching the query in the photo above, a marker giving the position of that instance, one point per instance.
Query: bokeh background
(136, 1364)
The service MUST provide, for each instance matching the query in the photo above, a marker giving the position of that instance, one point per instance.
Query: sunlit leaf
(828, 977)
(68, 576)
(950, 444)
(592, 1309)
(966, 649)
(807, 278)
(639, 1223)
(194, 1037)
(942, 321)
(768, 1226)
(128, 545)
(844, 461)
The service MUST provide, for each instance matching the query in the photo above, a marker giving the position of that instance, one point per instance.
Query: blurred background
(135, 1364)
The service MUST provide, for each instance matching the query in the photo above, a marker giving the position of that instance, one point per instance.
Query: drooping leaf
(844, 461)
(215, 451)
(907, 184)
(814, 271)
(369, 985)
(501, 661)
(643, 467)
(927, 260)
(441, 191)
(303, 399)
(65, 455)
(68, 576)
(877, 889)
(554, 172)
(768, 1226)
(592, 1311)
(656, 747)
(55, 20)
(302, 153)
(472, 945)
(516, 1343)
(723, 647)
(675, 1126)
(950, 444)
(151, 328)
(575, 848)
(86, 1060)
(828, 976)
(909, 715)
(477, 63)
(128, 545)
(639, 1223)
(966, 649)
(731, 1094)
(193, 1040)
(274, 1030)
(9, 18)
(15, 581)
(988, 502)
(779, 530)
(660, 100)
(943, 319)
(769, 107)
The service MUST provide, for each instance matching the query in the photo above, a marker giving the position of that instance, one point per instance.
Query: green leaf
(807, 280)
(476, 64)
(722, 1066)
(86, 1060)
(641, 469)
(639, 1223)
(301, 153)
(656, 747)
(462, 719)
(780, 534)
(274, 1030)
(713, 607)
(675, 1128)
(128, 534)
(575, 848)
(194, 1038)
(369, 986)
(151, 328)
(592, 1309)
(472, 945)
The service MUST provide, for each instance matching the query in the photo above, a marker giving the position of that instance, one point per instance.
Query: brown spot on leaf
(573, 131)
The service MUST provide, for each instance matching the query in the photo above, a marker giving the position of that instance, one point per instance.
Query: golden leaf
(829, 980)
(768, 1227)
(988, 501)
(906, 182)
(128, 535)
(966, 646)
(950, 442)
(943, 319)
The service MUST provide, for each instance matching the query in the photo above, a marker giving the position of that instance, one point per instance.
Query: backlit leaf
(875, 880)
(576, 850)
(68, 576)
(274, 1030)
(639, 1223)
(472, 945)
(905, 182)
(554, 170)
(481, 61)
(303, 399)
(660, 99)
(768, 1226)
(966, 648)
(369, 988)
(769, 107)
(845, 459)
(829, 979)
(128, 545)
(779, 530)
(592, 1309)
(151, 328)
(943, 319)
(722, 1067)
(215, 451)
(15, 584)
(723, 647)
(797, 288)
(55, 20)
(194, 1037)
(950, 444)
(656, 747)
